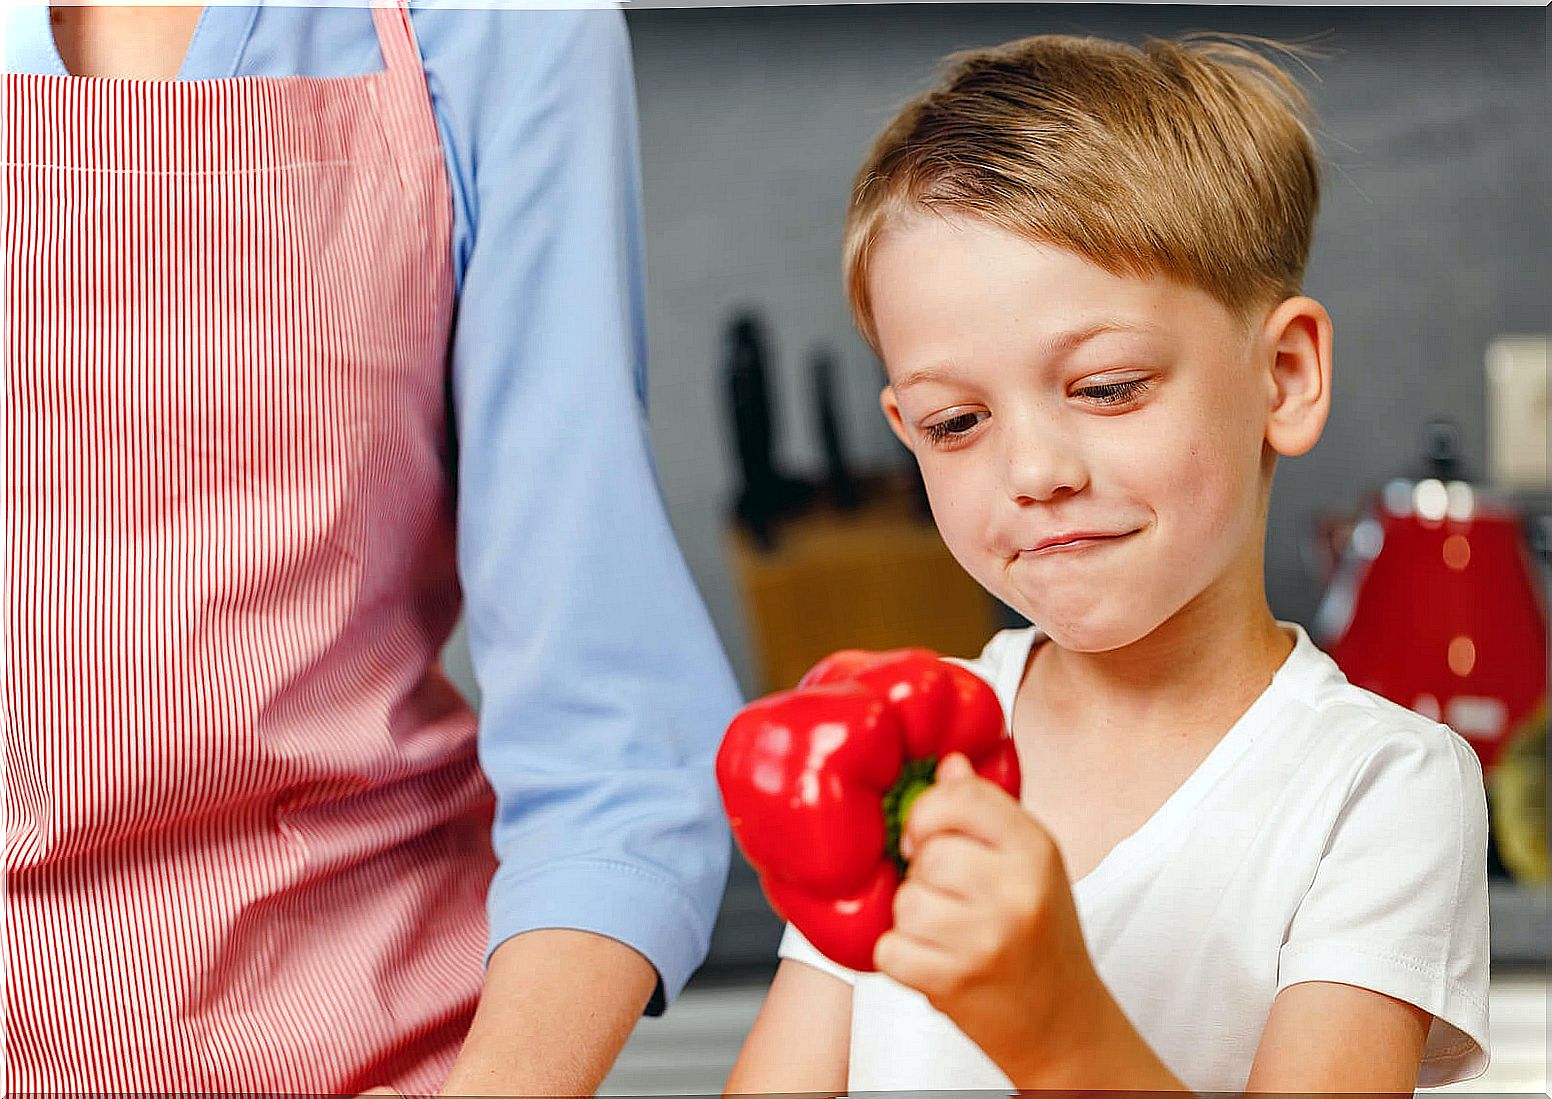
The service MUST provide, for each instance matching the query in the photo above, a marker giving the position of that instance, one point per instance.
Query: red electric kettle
(1437, 604)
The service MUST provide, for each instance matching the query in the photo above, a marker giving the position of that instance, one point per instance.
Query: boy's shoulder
(1343, 752)
(1361, 725)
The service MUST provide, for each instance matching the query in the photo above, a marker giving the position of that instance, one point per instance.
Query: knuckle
(925, 806)
(928, 864)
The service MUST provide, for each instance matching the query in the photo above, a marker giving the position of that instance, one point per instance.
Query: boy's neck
(1199, 670)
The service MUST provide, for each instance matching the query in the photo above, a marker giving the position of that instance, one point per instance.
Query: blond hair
(1190, 158)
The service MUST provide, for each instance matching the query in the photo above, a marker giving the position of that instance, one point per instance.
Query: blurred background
(1411, 542)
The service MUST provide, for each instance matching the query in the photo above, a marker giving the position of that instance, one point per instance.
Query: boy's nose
(1041, 464)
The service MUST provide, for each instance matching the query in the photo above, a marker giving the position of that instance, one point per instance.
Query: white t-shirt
(1330, 835)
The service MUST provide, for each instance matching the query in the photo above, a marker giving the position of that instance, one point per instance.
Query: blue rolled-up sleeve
(604, 689)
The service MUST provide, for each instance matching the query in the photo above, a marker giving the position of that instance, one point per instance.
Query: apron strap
(396, 37)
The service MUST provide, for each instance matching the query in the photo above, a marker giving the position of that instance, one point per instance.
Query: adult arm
(604, 690)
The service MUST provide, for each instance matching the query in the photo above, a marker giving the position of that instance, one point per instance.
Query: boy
(1231, 870)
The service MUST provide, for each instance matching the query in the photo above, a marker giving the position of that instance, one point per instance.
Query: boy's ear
(1298, 341)
(891, 407)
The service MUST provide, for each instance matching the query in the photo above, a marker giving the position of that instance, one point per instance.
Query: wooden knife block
(878, 577)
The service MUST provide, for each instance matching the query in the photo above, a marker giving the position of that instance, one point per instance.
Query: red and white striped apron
(247, 831)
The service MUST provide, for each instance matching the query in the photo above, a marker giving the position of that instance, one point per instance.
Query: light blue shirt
(604, 689)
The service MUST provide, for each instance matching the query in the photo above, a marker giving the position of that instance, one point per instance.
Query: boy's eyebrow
(922, 374)
(1059, 344)
(1066, 341)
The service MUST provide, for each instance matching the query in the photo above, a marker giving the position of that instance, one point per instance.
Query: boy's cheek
(1199, 468)
(963, 535)
(957, 495)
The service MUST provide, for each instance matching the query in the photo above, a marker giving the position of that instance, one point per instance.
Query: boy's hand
(985, 924)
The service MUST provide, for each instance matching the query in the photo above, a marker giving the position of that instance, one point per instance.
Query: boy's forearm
(556, 1009)
(1095, 1048)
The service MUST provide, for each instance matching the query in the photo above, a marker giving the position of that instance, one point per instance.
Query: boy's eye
(1115, 392)
(955, 427)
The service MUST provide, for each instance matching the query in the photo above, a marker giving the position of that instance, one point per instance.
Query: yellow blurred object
(1517, 788)
(875, 578)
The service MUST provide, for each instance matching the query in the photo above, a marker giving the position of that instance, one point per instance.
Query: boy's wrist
(1056, 1054)
(1088, 1044)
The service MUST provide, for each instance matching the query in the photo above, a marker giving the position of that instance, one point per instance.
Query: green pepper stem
(915, 777)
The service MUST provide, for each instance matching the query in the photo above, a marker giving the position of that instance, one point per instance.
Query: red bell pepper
(817, 782)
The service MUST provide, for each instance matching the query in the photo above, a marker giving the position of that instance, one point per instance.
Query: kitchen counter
(690, 1050)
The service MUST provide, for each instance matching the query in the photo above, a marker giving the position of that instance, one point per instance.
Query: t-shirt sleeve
(794, 945)
(1398, 902)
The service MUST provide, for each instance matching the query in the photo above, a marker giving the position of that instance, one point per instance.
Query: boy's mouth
(1072, 540)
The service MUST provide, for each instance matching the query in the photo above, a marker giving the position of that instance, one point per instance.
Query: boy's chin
(1093, 631)
(1093, 641)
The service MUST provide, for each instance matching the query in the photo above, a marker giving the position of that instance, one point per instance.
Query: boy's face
(1045, 398)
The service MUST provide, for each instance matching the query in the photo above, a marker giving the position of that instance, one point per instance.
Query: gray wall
(1433, 236)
